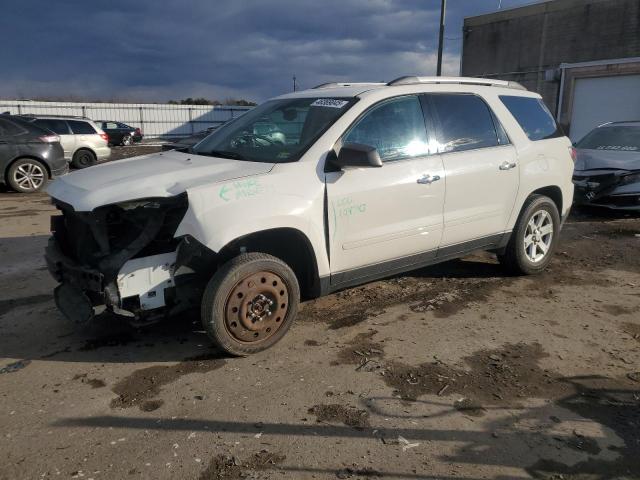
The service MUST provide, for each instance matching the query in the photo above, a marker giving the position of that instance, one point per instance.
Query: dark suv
(29, 155)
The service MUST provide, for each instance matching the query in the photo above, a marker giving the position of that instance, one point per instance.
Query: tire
(83, 158)
(236, 312)
(27, 175)
(530, 248)
(126, 140)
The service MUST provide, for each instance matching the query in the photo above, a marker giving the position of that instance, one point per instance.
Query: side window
(81, 128)
(110, 125)
(533, 116)
(463, 122)
(56, 126)
(396, 128)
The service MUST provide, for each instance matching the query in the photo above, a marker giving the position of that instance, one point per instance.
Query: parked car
(243, 227)
(187, 142)
(607, 171)
(120, 133)
(29, 155)
(84, 143)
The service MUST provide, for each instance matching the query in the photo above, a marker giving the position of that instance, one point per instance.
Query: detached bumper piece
(619, 189)
(73, 303)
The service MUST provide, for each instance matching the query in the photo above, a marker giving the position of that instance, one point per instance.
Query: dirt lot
(450, 372)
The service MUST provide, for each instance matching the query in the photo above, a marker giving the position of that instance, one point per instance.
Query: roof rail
(347, 84)
(36, 115)
(412, 79)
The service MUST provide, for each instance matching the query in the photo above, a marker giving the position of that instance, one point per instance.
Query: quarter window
(58, 127)
(463, 122)
(533, 116)
(81, 128)
(396, 128)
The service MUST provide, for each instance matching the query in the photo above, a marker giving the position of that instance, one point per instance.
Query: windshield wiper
(223, 154)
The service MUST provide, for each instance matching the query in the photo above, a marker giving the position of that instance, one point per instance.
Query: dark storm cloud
(151, 50)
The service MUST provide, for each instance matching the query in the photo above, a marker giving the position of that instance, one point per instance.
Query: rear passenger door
(60, 128)
(481, 170)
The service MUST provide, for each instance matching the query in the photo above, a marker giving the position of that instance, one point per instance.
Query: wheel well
(39, 160)
(289, 245)
(554, 193)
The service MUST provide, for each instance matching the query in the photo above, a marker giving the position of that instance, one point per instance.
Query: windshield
(620, 138)
(277, 131)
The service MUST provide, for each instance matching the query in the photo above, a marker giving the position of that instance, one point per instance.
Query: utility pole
(443, 8)
(294, 83)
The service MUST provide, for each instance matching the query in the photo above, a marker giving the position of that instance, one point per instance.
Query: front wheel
(250, 303)
(534, 237)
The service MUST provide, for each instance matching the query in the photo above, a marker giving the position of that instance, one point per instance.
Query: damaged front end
(125, 258)
(615, 189)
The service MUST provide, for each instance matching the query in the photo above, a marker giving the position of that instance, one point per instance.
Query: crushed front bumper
(619, 190)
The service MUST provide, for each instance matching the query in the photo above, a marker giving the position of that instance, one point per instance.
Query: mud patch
(613, 404)
(632, 329)
(143, 385)
(617, 310)
(11, 303)
(311, 343)
(229, 468)
(495, 376)
(151, 405)
(360, 350)
(336, 413)
(92, 382)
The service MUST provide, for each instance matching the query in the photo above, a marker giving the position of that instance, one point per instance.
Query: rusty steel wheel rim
(256, 307)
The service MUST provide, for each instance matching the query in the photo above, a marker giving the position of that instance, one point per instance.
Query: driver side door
(390, 218)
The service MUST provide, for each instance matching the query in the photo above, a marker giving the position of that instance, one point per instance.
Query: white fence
(155, 120)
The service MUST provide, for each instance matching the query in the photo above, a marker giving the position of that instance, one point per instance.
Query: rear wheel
(250, 303)
(27, 175)
(534, 238)
(83, 158)
(127, 140)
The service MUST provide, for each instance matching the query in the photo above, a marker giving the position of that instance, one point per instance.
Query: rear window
(619, 138)
(81, 128)
(533, 116)
(11, 129)
(56, 126)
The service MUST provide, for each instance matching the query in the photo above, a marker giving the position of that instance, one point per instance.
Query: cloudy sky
(156, 50)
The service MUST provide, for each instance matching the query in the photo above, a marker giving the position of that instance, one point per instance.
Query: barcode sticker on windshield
(329, 102)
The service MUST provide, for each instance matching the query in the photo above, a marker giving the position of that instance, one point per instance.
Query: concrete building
(582, 56)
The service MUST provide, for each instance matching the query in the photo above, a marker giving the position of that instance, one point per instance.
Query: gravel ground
(450, 372)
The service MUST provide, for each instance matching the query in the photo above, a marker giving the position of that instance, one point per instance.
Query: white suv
(83, 142)
(352, 183)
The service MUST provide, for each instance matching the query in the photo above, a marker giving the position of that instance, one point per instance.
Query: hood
(607, 160)
(156, 175)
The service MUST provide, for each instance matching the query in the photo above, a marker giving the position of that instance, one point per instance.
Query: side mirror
(357, 155)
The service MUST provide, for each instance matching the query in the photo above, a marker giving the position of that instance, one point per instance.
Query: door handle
(507, 165)
(428, 179)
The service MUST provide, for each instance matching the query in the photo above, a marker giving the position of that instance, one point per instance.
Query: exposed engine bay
(124, 257)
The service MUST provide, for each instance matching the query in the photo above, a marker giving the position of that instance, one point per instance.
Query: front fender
(222, 212)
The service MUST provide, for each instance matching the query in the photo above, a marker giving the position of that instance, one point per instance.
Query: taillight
(104, 136)
(49, 138)
(138, 131)
(574, 154)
